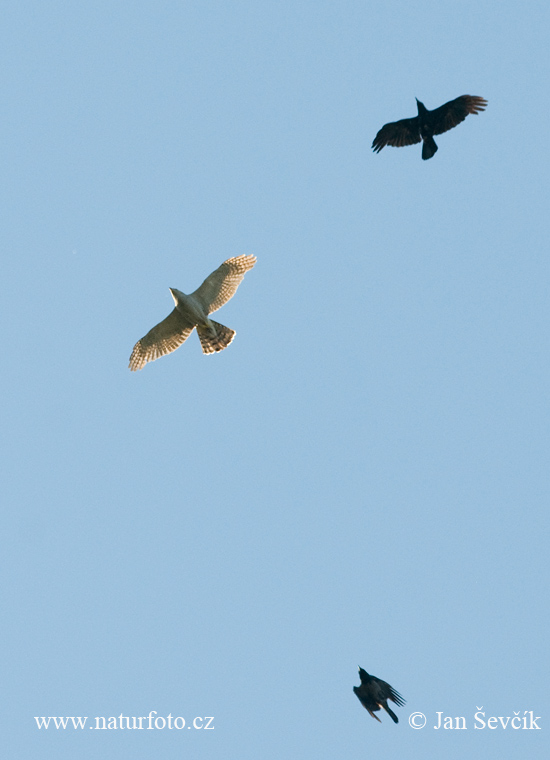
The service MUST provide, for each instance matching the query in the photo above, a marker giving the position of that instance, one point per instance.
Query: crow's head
(420, 105)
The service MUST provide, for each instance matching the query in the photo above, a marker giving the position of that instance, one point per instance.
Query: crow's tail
(429, 148)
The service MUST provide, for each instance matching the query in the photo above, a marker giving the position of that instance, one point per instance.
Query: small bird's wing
(222, 284)
(396, 697)
(452, 113)
(162, 339)
(398, 134)
(385, 691)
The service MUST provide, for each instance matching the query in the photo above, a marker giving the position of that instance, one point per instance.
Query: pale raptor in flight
(192, 311)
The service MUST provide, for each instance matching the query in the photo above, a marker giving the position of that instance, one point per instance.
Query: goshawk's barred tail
(216, 338)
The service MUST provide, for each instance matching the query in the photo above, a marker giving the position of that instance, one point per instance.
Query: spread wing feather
(385, 691)
(162, 339)
(452, 113)
(398, 134)
(222, 284)
(396, 697)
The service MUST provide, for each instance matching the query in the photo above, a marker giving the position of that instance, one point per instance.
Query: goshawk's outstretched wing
(162, 339)
(222, 284)
(398, 134)
(452, 113)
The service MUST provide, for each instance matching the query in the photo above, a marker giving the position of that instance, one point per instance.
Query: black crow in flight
(374, 694)
(427, 124)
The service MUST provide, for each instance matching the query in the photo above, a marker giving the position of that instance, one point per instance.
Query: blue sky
(362, 477)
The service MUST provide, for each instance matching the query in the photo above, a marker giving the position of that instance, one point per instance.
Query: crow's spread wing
(398, 134)
(452, 113)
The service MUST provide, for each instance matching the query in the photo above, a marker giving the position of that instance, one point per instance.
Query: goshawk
(192, 311)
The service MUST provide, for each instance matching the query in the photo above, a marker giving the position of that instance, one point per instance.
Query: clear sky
(361, 478)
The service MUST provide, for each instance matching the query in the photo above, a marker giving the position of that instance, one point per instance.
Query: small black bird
(427, 124)
(374, 694)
